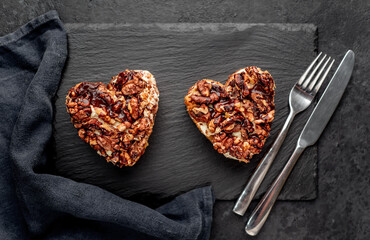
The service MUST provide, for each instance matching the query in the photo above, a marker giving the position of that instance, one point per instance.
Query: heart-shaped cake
(116, 119)
(236, 116)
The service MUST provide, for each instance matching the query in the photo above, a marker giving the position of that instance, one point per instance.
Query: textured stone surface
(342, 209)
(179, 157)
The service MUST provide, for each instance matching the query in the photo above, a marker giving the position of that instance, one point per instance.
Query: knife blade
(309, 135)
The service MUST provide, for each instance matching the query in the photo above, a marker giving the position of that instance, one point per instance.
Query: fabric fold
(49, 206)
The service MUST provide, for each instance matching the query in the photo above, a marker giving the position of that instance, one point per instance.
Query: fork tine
(317, 87)
(307, 81)
(312, 84)
(301, 79)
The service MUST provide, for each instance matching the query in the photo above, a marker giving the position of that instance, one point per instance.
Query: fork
(300, 97)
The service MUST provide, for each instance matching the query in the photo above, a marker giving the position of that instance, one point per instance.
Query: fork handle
(262, 211)
(257, 177)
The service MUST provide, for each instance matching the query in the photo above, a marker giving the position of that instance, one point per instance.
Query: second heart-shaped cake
(116, 119)
(236, 116)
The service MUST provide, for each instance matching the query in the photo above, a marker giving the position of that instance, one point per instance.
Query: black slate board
(179, 157)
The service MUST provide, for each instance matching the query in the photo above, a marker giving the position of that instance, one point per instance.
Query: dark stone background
(342, 209)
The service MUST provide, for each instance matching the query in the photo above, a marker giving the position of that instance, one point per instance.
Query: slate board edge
(192, 26)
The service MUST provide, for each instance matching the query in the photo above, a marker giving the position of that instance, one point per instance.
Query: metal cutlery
(301, 96)
(310, 134)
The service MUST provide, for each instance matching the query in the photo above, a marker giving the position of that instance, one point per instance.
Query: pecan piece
(133, 107)
(204, 87)
(201, 99)
(131, 89)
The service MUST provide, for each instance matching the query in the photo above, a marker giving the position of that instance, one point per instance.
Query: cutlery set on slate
(301, 96)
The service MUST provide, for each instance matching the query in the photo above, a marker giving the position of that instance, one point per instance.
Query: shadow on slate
(179, 158)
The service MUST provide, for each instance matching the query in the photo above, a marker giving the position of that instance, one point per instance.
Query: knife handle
(262, 211)
(257, 177)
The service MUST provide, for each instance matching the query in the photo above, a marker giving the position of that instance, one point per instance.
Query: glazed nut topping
(236, 116)
(116, 119)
